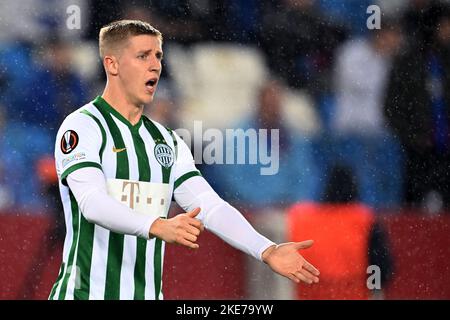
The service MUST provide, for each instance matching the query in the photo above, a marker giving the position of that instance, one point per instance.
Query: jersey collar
(99, 101)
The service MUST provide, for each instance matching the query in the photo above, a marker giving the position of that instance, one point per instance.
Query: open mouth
(150, 84)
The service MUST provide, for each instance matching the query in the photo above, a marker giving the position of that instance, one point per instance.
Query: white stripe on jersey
(99, 258)
(127, 272)
(74, 279)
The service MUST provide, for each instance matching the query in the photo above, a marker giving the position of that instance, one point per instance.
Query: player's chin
(147, 98)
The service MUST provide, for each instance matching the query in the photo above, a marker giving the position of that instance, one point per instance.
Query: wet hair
(116, 33)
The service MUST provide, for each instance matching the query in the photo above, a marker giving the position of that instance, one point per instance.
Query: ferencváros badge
(164, 155)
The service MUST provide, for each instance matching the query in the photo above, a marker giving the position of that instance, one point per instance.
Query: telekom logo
(131, 194)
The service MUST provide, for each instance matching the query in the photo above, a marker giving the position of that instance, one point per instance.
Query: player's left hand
(285, 260)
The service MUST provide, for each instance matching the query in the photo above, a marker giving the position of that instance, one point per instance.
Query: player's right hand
(182, 229)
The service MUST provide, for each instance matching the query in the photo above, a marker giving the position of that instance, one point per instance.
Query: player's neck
(119, 101)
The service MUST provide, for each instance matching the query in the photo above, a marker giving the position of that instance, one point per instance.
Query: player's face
(140, 68)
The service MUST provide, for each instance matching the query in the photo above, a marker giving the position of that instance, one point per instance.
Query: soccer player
(118, 171)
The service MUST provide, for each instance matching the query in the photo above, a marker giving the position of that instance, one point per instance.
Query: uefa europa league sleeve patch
(69, 141)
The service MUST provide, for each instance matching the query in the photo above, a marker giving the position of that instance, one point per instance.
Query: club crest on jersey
(69, 141)
(164, 155)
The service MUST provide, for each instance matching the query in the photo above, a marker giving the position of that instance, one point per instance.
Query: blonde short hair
(117, 32)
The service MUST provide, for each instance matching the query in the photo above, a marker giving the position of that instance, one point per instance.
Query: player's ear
(111, 65)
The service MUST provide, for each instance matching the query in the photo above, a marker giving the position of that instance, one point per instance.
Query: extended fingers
(308, 266)
(309, 273)
(302, 277)
(293, 278)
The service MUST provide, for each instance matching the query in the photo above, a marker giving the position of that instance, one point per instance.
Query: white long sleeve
(88, 185)
(220, 218)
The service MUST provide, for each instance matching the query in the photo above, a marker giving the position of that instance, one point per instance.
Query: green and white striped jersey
(142, 164)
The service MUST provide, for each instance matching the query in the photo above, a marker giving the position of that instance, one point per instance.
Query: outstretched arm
(226, 222)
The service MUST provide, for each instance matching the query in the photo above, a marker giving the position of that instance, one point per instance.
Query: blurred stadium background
(364, 136)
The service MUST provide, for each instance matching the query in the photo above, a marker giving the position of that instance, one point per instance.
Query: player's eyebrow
(144, 51)
(159, 53)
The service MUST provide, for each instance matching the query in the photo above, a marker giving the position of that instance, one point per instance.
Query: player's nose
(155, 65)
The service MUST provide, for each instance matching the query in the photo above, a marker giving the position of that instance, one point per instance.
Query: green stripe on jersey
(58, 279)
(84, 259)
(116, 240)
(86, 238)
(175, 142)
(141, 245)
(158, 138)
(76, 167)
(73, 247)
(157, 266)
(184, 177)
(157, 259)
(122, 168)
